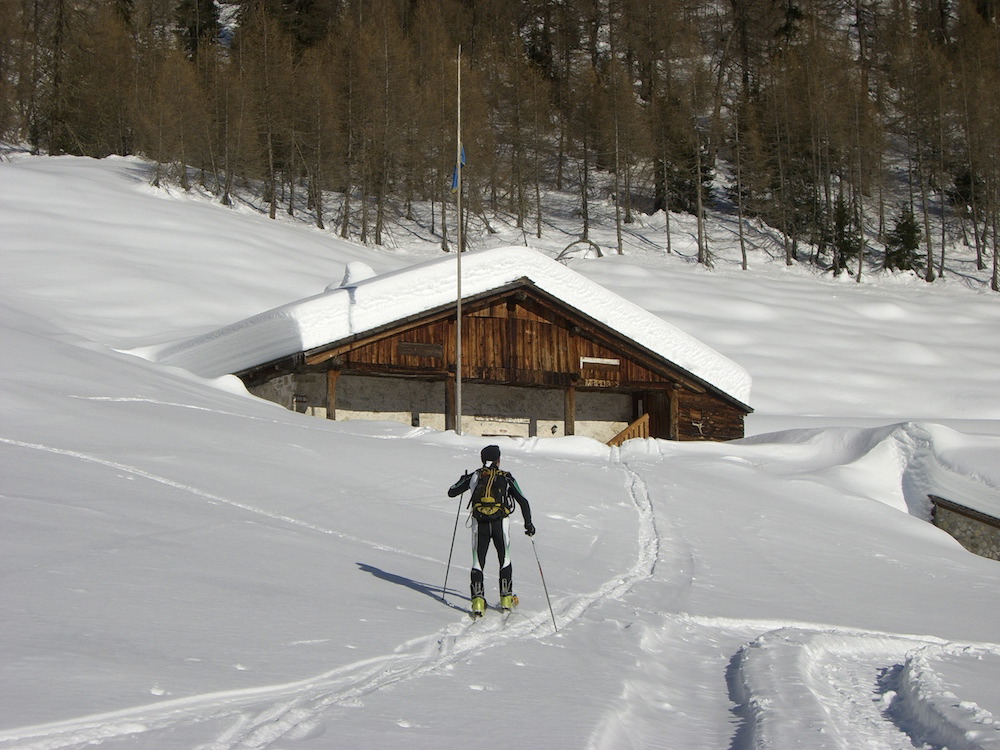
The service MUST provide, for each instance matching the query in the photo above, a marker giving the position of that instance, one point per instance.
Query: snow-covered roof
(364, 303)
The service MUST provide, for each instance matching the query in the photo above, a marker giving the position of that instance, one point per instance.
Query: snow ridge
(927, 700)
(917, 450)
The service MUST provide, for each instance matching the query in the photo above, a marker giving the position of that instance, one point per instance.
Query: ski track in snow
(259, 717)
(208, 496)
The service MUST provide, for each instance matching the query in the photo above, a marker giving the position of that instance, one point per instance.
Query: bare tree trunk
(272, 180)
(881, 196)
(380, 205)
(703, 255)
(585, 189)
(739, 197)
(618, 202)
(345, 217)
(666, 200)
(444, 225)
(925, 208)
(538, 211)
(364, 216)
(292, 178)
(995, 283)
(859, 210)
(943, 172)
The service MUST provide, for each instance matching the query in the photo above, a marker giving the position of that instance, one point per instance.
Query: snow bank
(364, 304)
(900, 464)
(927, 699)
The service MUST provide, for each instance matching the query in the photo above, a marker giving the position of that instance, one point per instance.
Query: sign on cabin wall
(502, 426)
(600, 372)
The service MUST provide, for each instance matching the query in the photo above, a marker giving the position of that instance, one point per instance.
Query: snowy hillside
(185, 566)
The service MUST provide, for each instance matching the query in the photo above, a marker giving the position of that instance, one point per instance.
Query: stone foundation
(977, 532)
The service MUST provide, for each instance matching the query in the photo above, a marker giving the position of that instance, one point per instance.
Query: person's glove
(529, 528)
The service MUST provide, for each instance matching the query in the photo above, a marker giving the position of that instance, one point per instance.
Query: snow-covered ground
(184, 566)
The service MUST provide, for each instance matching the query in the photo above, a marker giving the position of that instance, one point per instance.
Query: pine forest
(860, 131)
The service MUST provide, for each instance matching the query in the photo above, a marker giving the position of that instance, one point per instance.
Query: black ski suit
(494, 530)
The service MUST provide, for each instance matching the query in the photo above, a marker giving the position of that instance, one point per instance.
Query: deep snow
(186, 566)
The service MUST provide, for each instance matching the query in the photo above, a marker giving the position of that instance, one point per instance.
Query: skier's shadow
(424, 588)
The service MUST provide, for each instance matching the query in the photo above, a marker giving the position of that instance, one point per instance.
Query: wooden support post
(331, 393)
(570, 410)
(673, 412)
(449, 403)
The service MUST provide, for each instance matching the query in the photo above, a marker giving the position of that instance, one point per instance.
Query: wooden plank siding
(519, 336)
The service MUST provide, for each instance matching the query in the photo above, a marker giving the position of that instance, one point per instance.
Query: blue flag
(454, 175)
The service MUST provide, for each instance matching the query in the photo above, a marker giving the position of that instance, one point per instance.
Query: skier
(493, 495)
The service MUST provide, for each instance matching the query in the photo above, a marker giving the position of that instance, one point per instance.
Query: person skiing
(494, 493)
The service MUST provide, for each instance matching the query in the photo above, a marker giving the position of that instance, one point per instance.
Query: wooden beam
(570, 410)
(673, 410)
(331, 393)
(449, 403)
(963, 510)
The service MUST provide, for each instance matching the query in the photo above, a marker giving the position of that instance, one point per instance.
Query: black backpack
(491, 499)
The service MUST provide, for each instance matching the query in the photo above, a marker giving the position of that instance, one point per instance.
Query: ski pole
(544, 587)
(454, 533)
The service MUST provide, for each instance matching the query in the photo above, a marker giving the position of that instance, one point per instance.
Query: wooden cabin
(533, 364)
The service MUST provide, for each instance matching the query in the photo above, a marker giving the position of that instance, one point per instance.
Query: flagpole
(458, 255)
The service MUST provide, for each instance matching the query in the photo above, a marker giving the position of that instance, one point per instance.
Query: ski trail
(210, 496)
(259, 717)
(264, 714)
(648, 552)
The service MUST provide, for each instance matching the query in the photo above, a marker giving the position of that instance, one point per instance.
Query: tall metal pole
(458, 256)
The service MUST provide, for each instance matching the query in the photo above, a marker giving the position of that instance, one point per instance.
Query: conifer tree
(903, 243)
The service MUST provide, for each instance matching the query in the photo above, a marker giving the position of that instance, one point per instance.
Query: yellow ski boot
(508, 602)
(478, 607)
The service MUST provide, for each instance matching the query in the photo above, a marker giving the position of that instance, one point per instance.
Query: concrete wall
(977, 533)
(413, 402)
(489, 410)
